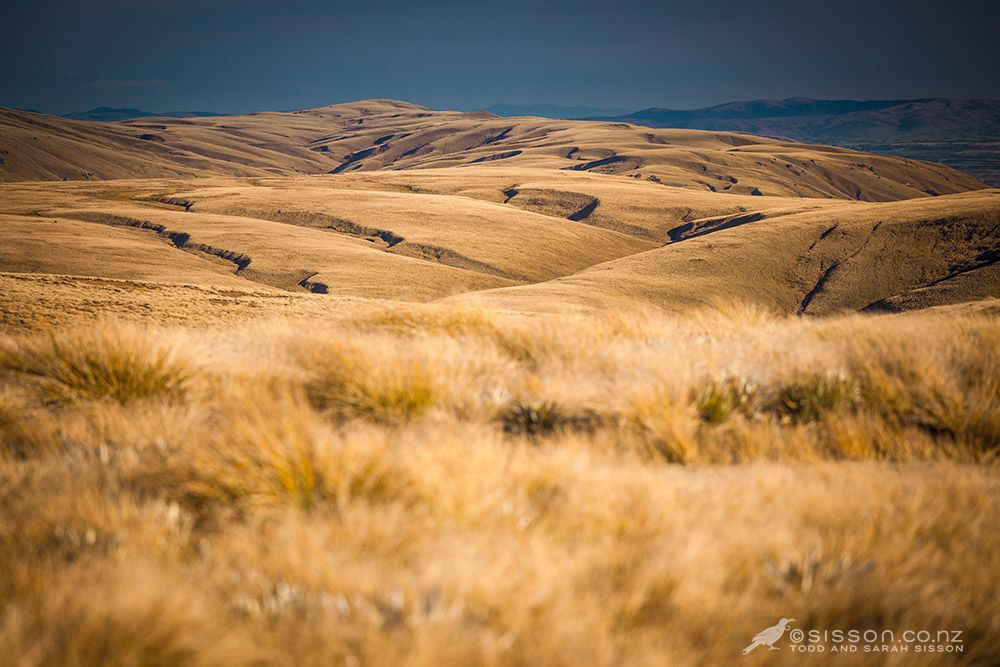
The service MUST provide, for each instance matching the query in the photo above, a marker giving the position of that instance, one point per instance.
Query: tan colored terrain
(409, 203)
(383, 134)
(829, 259)
(513, 238)
(495, 392)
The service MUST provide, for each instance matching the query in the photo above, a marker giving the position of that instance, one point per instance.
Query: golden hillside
(386, 199)
(383, 134)
(529, 239)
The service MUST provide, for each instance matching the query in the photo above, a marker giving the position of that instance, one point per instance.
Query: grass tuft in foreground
(103, 362)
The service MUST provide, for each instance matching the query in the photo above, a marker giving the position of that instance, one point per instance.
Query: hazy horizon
(528, 105)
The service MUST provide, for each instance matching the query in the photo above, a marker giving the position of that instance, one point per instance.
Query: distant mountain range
(111, 115)
(804, 119)
(964, 134)
(553, 111)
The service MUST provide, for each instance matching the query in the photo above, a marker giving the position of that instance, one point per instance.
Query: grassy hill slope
(380, 134)
(383, 199)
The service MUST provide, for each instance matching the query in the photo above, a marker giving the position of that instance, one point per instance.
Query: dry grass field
(451, 405)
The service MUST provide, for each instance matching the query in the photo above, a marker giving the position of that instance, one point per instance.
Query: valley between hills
(384, 199)
(373, 384)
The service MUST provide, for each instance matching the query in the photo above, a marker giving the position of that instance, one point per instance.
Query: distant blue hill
(554, 111)
(959, 133)
(110, 115)
(836, 121)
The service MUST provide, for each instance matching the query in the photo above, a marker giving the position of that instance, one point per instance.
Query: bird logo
(769, 636)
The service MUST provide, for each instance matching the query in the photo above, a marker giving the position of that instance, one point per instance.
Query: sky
(238, 56)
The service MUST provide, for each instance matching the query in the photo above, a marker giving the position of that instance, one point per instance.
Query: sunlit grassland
(433, 485)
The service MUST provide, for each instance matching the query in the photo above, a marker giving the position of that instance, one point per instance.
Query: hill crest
(372, 135)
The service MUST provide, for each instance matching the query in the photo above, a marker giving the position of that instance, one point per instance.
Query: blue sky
(239, 56)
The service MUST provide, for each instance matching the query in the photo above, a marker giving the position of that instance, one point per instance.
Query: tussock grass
(717, 399)
(808, 396)
(666, 427)
(457, 320)
(533, 416)
(271, 450)
(17, 438)
(139, 614)
(103, 362)
(943, 380)
(358, 380)
(631, 489)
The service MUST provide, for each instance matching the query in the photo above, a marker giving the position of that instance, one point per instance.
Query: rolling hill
(384, 199)
(381, 135)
